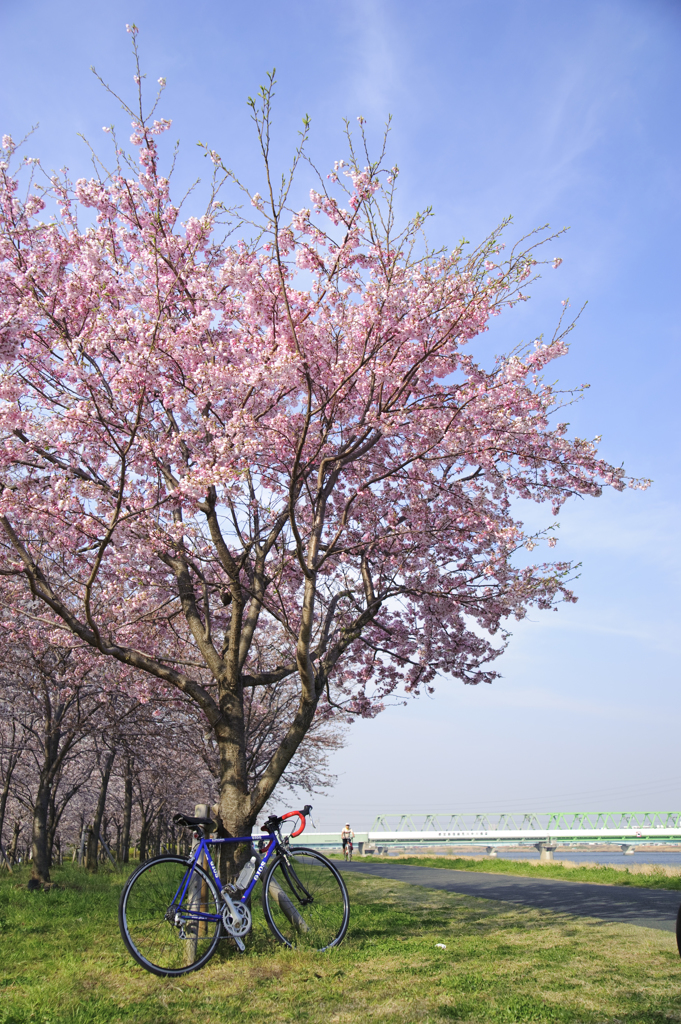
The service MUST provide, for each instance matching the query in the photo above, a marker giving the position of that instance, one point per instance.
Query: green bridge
(600, 821)
(626, 829)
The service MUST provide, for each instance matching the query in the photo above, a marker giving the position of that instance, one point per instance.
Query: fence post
(83, 839)
(198, 891)
(107, 850)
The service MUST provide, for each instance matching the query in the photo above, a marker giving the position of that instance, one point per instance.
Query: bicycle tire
(305, 901)
(152, 937)
(678, 931)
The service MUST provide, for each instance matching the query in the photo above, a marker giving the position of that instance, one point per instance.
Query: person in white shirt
(347, 835)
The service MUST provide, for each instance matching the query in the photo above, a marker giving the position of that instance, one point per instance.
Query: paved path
(650, 908)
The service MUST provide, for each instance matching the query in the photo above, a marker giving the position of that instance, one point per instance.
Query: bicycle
(347, 849)
(172, 912)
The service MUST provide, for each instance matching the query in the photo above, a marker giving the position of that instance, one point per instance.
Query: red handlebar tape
(291, 814)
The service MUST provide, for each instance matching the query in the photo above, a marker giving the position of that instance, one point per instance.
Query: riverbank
(649, 876)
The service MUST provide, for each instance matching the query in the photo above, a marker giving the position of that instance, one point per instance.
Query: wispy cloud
(545, 699)
(377, 49)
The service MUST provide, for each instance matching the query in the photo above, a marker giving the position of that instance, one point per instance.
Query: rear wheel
(305, 901)
(165, 936)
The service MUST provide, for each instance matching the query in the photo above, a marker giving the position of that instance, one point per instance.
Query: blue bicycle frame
(202, 849)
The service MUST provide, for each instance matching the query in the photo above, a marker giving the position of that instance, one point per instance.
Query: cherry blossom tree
(49, 698)
(292, 456)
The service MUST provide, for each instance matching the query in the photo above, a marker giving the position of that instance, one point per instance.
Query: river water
(614, 856)
(672, 857)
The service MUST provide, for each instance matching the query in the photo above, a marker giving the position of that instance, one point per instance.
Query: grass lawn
(61, 960)
(647, 876)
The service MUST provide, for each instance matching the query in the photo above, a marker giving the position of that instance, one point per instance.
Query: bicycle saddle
(185, 819)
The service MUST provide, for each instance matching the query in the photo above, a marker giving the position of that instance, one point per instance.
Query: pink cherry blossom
(224, 464)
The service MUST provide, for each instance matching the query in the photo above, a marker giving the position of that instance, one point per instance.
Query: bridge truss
(562, 821)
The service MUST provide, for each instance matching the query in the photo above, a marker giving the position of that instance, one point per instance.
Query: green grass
(62, 962)
(602, 874)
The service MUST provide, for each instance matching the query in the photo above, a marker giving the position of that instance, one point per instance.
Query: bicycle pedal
(239, 944)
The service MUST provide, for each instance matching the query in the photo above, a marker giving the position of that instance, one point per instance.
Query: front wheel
(165, 931)
(305, 901)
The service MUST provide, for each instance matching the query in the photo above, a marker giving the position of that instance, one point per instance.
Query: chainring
(239, 923)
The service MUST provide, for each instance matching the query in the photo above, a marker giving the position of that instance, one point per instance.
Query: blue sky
(550, 111)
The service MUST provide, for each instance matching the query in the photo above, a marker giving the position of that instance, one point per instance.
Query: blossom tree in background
(49, 697)
(79, 752)
(288, 457)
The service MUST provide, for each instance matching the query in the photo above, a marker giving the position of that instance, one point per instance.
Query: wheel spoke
(160, 941)
(305, 901)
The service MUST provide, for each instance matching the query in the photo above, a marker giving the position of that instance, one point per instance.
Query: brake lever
(307, 813)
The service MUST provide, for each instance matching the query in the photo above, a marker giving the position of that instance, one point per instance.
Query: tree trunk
(144, 836)
(39, 838)
(157, 836)
(4, 795)
(93, 839)
(234, 819)
(3, 803)
(83, 840)
(127, 810)
(233, 856)
(12, 852)
(53, 817)
(4, 859)
(234, 813)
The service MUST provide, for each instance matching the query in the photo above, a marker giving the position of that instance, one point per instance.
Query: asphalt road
(649, 908)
